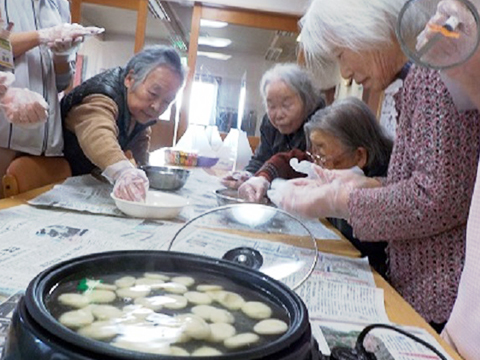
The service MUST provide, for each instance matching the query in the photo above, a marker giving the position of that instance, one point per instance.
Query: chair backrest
(31, 172)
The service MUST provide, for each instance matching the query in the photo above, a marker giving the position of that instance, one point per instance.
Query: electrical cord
(360, 353)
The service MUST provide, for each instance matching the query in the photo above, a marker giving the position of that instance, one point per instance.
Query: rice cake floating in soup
(176, 314)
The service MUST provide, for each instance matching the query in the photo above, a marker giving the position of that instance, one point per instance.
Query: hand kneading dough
(184, 280)
(74, 300)
(100, 296)
(100, 330)
(270, 327)
(125, 282)
(257, 310)
(76, 318)
(220, 332)
(206, 351)
(198, 298)
(134, 292)
(241, 340)
(106, 312)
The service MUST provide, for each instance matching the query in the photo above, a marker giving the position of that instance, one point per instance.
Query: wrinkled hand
(64, 39)
(130, 183)
(236, 178)
(449, 50)
(24, 108)
(254, 189)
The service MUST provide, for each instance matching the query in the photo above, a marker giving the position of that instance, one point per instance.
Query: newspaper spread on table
(89, 194)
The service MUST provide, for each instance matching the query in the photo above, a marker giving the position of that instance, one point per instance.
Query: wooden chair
(31, 172)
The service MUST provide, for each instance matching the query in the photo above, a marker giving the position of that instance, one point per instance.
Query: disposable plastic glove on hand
(64, 39)
(254, 189)
(24, 108)
(326, 196)
(6, 79)
(130, 183)
(236, 178)
(455, 14)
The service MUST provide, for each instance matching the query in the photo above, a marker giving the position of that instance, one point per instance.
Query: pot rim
(274, 290)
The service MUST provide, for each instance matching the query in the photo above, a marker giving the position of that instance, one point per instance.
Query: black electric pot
(36, 334)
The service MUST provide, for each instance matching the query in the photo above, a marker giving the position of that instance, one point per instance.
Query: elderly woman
(112, 112)
(421, 207)
(340, 136)
(290, 99)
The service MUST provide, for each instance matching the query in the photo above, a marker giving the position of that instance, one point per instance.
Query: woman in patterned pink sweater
(421, 208)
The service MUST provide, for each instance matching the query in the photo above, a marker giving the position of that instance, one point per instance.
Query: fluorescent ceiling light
(214, 41)
(213, 23)
(214, 55)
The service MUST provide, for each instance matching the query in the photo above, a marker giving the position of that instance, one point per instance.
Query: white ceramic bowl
(158, 205)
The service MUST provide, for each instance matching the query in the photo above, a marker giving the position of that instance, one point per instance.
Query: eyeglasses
(323, 160)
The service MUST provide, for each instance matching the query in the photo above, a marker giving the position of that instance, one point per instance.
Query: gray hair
(357, 25)
(352, 122)
(297, 79)
(147, 60)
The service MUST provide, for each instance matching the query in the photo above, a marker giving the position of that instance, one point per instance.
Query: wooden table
(398, 310)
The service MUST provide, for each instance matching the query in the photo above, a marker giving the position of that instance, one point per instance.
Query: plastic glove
(24, 108)
(64, 39)
(254, 189)
(130, 183)
(236, 178)
(6, 79)
(304, 167)
(326, 196)
(449, 49)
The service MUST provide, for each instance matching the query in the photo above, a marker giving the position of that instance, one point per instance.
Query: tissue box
(182, 158)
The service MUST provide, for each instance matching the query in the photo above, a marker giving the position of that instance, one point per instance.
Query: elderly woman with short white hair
(421, 207)
(290, 98)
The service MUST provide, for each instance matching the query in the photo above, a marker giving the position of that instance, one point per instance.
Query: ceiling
(244, 39)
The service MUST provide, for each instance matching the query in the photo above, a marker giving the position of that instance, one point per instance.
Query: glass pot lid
(260, 237)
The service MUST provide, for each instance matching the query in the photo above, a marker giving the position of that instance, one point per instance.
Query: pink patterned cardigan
(422, 209)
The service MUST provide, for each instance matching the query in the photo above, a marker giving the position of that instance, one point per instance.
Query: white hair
(358, 25)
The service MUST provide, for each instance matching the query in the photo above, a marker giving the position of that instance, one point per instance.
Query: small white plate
(158, 205)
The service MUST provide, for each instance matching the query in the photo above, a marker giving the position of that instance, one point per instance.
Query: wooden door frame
(235, 16)
(140, 6)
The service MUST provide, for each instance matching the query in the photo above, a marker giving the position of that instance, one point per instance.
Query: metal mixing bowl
(166, 177)
(228, 196)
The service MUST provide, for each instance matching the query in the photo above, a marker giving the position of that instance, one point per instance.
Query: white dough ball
(134, 292)
(206, 287)
(270, 327)
(98, 285)
(228, 299)
(125, 282)
(198, 298)
(204, 311)
(173, 288)
(241, 340)
(74, 300)
(220, 332)
(156, 276)
(100, 330)
(154, 302)
(77, 318)
(136, 311)
(222, 316)
(184, 280)
(194, 326)
(106, 312)
(257, 310)
(206, 351)
(175, 302)
(100, 296)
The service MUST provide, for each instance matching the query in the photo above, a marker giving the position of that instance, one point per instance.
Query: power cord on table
(360, 353)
